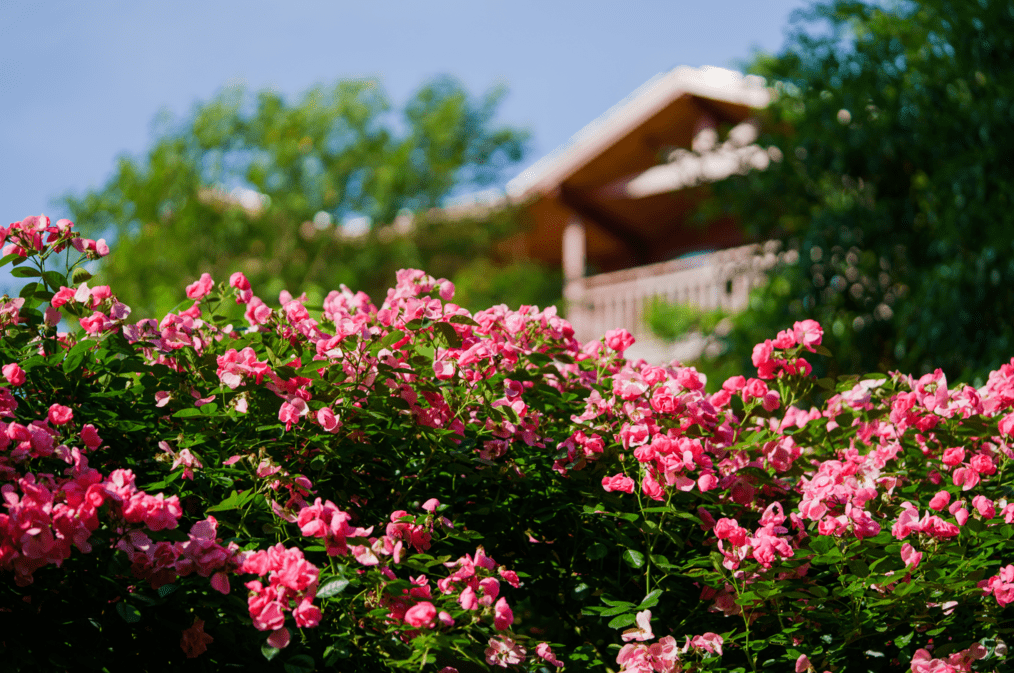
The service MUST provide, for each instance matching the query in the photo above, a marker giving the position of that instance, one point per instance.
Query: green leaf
(612, 612)
(25, 272)
(447, 331)
(234, 501)
(269, 652)
(462, 320)
(333, 587)
(189, 412)
(29, 290)
(538, 359)
(55, 280)
(76, 356)
(9, 258)
(826, 383)
(301, 663)
(651, 600)
(902, 641)
(634, 559)
(389, 339)
(596, 551)
(622, 621)
(821, 544)
(660, 561)
(859, 567)
(129, 613)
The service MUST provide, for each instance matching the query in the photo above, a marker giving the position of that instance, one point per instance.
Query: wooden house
(613, 206)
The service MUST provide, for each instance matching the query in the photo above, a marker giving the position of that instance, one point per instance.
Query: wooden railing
(721, 279)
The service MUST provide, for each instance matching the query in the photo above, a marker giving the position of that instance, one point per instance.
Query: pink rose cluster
(957, 662)
(291, 588)
(647, 402)
(1001, 586)
(235, 366)
(47, 516)
(503, 651)
(666, 655)
(325, 521)
(750, 391)
(474, 580)
(767, 544)
(37, 233)
(108, 313)
(772, 358)
(157, 512)
(163, 562)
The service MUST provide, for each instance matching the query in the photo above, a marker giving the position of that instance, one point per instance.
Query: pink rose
(910, 556)
(200, 288)
(90, 437)
(953, 456)
(619, 340)
(618, 482)
(468, 600)
(651, 488)
(939, 501)
(327, 419)
(60, 415)
(503, 616)
(421, 615)
(14, 374)
(279, 638)
(65, 295)
(195, 641)
(785, 340)
(642, 631)
(306, 614)
(544, 651)
(754, 388)
(808, 333)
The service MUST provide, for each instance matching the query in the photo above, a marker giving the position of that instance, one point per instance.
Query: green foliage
(737, 519)
(672, 321)
(895, 124)
(334, 153)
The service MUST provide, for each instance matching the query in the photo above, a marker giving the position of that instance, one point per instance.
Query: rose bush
(354, 487)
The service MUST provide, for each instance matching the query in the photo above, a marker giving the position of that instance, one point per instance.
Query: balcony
(721, 279)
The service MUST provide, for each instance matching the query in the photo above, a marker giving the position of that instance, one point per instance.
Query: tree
(254, 183)
(895, 123)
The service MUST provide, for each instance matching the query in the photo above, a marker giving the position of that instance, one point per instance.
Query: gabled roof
(614, 176)
(624, 118)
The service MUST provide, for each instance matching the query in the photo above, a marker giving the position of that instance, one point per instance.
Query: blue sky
(81, 82)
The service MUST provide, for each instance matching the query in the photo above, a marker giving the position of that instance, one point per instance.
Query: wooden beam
(588, 210)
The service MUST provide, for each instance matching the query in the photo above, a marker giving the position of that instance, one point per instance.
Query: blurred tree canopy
(896, 121)
(251, 182)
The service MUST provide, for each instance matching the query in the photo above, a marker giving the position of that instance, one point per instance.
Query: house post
(574, 254)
